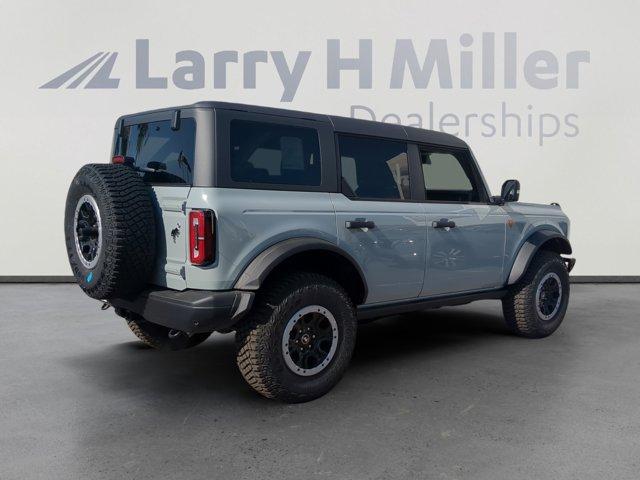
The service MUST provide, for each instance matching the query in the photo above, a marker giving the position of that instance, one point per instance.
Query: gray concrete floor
(444, 394)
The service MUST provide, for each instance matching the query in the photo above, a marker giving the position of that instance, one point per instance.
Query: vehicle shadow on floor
(424, 334)
(210, 368)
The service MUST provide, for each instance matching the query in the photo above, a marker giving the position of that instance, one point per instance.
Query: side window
(274, 153)
(374, 168)
(449, 176)
(162, 155)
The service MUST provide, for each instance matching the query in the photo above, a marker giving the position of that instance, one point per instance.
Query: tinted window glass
(274, 153)
(162, 155)
(449, 176)
(373, 168)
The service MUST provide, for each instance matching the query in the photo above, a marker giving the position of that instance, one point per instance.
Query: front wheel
(536, 305)
(299, 338)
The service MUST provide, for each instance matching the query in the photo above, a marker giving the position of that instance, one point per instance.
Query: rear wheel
(162, 338)
(536, 305)
(298, 341)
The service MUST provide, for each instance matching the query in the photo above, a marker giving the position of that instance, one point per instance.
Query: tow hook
(105, 305)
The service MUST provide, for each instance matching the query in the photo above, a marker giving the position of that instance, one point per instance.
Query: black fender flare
(259, 268)
(531, 246)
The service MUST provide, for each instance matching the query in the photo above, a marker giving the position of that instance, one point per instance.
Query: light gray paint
(249, 221)
(392, 255)
(527, 219)
(468, 257)
(403, 257)
(171, 236)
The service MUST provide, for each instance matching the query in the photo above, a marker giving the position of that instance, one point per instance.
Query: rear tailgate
(162, 150)
(171, 236)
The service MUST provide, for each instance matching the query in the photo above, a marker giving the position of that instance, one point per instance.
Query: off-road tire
(260, 356)
(157, 336)
(519, 305)
(128, 247)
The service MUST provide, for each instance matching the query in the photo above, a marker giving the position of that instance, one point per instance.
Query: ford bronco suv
(289, 228)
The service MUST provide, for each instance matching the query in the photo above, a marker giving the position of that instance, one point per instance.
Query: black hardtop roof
(339, 124)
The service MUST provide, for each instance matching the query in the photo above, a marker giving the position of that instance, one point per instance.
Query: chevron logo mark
(83, 73)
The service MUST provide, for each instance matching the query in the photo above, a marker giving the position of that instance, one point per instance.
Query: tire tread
(129, 246)
(253, 349)
(519, 303)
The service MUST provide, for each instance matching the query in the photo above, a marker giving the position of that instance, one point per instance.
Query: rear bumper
(191, 311)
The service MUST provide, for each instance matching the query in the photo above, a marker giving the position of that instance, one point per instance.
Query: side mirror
(510, 191)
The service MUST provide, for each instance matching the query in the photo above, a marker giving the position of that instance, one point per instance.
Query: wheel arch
(544, 239)
(306, 253)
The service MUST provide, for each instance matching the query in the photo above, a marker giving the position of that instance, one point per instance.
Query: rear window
(374, 168)
(274, 153)
(160, 154)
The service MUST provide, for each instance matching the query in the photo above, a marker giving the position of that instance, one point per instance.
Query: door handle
(351, 224)
(443, 223)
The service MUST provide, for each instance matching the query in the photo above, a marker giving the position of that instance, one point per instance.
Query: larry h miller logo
(438, 65)
(101, 79)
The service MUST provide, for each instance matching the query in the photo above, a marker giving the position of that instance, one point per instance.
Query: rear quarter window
(161, 155)
(271, 153)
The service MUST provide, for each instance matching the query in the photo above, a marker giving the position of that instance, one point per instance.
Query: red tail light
(122, 160)
(201, 237)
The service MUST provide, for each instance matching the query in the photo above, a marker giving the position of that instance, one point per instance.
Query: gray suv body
(257, 209)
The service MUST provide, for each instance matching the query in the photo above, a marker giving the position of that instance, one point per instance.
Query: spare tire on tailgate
(109, 228)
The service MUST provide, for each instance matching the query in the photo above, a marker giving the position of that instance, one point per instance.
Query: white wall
(47, 134)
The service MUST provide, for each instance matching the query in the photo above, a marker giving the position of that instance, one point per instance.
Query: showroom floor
(443, 394)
